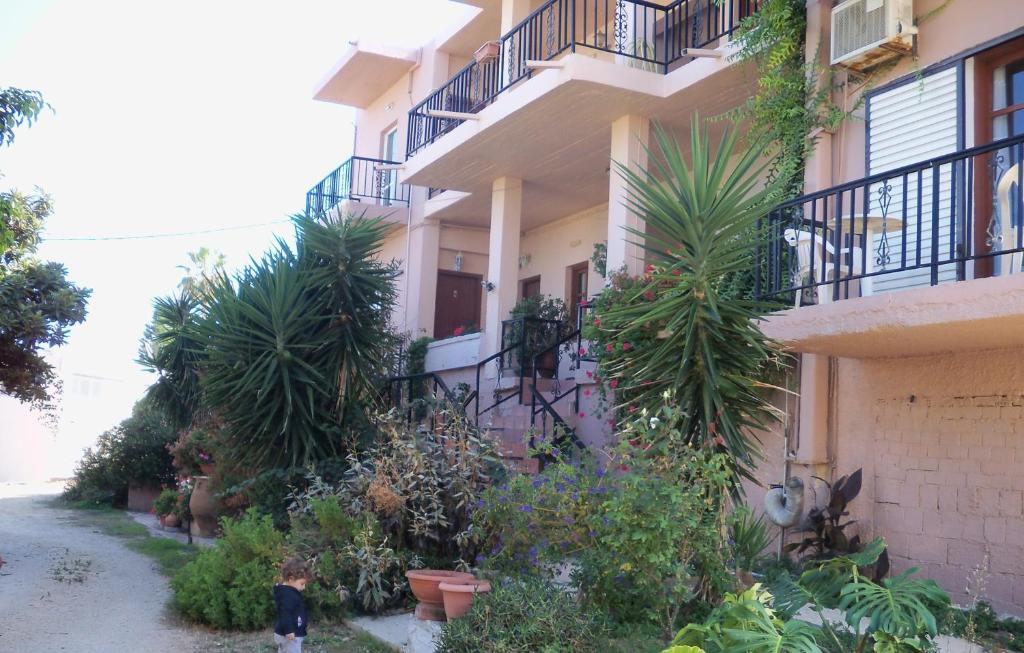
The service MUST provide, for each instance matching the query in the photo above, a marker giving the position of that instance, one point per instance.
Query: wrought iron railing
(949, 218)
(360, 179)
(642, 34)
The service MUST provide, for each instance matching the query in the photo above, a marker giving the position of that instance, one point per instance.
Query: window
(529, 287)
(578, 277)
(389, 178)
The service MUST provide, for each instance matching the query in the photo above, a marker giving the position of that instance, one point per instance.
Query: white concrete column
(630, 135)
(503, 258)
(421, 284)
(512, 13)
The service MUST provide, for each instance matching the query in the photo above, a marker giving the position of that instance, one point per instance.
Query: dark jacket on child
(291, 611)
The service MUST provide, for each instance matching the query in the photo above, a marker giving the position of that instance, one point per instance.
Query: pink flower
(597, 322)
(626, 346)
(457, 331)
(583, 352)
(614, 383)
(649, 268)
(582, 414)
(590, 374)
(586, 393)
(649, 295)
(632, 409)
(609, 348)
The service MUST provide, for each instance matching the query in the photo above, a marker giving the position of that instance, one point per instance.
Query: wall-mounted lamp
(458, 261)
(524, 260)
(487, 285)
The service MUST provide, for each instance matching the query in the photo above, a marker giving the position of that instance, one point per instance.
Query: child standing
(291, 609)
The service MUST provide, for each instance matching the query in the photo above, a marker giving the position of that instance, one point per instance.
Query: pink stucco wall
(941, 441)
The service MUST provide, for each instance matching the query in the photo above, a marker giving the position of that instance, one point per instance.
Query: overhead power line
(175, 234)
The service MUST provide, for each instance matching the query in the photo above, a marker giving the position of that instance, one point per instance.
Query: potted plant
(425, 586)
(542, 322)
(164, 506)
(489, 51)
(458, 596)
(193, 451)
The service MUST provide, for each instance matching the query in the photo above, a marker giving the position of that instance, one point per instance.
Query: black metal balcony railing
(359, 179)
(648, 36)
(949, 218)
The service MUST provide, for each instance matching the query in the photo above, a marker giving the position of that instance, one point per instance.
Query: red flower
(586, 393)
(626, 346)
(609, 348)
(585, 303)
(597, 322)
(458, 331)
(649, 295)
(614, 383)
(590, 374)
(649, 268)
(677, 272)
(632, 409)
(623, 468)
(583, 352)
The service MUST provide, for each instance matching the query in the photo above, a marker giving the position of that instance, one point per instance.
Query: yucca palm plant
(294, 343)
(171, 349)
(701, 214)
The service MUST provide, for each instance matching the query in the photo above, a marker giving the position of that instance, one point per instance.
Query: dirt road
(68, 587)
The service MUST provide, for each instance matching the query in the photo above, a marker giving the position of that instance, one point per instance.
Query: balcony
(635, 33)
(361, 186)
(921, 259)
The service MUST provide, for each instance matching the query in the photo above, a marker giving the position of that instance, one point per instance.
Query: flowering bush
(166, 502)
(643, 531)
(194, 448)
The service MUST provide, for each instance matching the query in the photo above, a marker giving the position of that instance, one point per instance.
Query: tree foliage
(702, 344)
(38, 304)
(294, 345)
(171, 349)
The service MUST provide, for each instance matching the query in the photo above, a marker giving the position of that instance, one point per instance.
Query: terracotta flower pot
(458, 596)
(206, 468)
(170, 521)
(489, 51)
(203, 508)
(424, 584)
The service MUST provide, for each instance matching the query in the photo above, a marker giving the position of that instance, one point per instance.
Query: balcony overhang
(395, 215)
(364, 73)
(560, 123)
(970, 315)
(465, 36)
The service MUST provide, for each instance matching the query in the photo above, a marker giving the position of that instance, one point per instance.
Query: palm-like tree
(171, 349)
(701, 216)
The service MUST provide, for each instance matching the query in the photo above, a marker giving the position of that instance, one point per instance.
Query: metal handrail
(956, 187)
(666, 32)
(357, 178)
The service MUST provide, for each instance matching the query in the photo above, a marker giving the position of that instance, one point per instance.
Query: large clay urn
(203, 508)
(424, 585)
(458, 596)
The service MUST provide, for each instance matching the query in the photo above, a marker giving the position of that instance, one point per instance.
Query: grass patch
(170, 555)
(323, 638)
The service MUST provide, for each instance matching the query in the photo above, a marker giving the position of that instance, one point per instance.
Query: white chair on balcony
(809, 247)
(1007, 238)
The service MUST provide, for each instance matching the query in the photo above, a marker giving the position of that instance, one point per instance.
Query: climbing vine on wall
(793, 97)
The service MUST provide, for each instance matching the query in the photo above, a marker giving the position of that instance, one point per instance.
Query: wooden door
(578, 275)
(458, 303)
(998, 114)
(529, 287)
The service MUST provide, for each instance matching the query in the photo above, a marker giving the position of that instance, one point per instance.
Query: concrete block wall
(941, 440)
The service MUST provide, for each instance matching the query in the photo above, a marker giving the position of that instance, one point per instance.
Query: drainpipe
(408, 218)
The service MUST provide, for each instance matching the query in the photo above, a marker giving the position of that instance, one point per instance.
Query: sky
(176, 117)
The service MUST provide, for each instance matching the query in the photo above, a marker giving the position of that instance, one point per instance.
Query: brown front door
(458, 303)
(999, 113)
(529, 287)
(577, 289)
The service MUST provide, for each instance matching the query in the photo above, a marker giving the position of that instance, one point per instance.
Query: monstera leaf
(901, 606)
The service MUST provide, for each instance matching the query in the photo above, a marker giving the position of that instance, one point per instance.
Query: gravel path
(68, 587)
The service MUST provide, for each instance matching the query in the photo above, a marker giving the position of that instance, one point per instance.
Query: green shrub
(526, 614)
(166, 503)
(229, 585)
(133, 452)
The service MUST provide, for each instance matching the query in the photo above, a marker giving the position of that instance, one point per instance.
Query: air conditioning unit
(866, 33)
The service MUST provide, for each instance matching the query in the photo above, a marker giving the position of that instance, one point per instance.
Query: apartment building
(492, 150)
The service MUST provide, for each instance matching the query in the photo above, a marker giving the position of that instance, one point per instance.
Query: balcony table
(855, 224)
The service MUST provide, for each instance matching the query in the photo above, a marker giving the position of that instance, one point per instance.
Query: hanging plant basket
(489, 51)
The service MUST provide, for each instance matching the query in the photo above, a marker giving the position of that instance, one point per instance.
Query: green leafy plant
(228, 585)
(544, 322)
(171, 348)
(296, 343)
(705, 345)
(750, 536)
(166, 502)
(827, 525)
(525, 614)
(132, 453)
